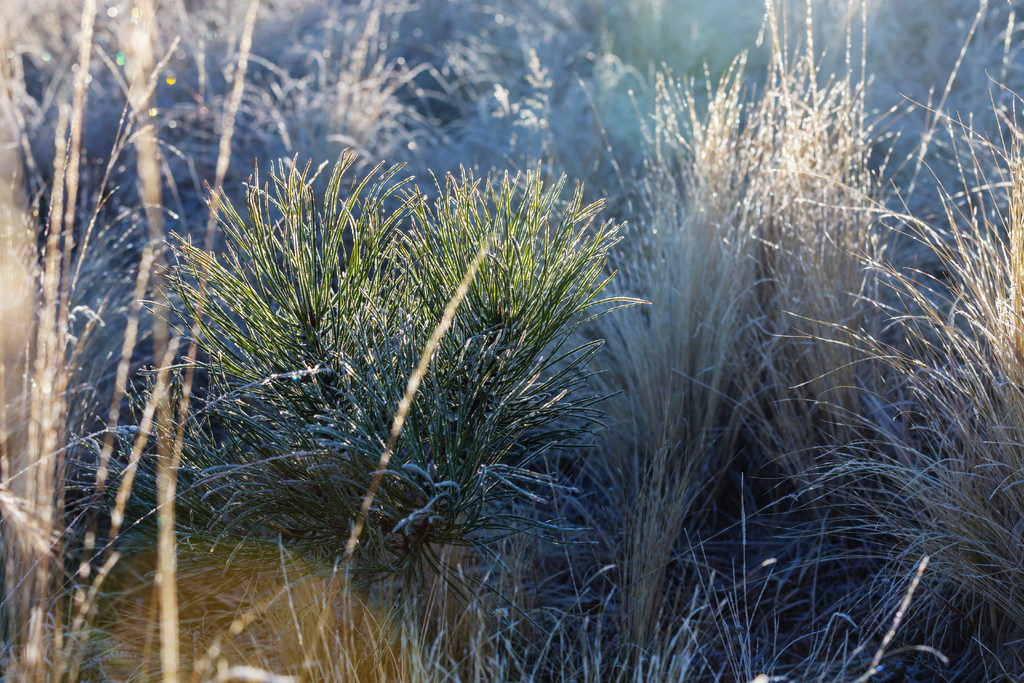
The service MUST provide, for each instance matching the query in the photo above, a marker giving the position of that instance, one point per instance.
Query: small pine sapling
(317, 314)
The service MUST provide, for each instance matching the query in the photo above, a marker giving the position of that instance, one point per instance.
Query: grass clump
(946, 479)
(755, 212)
(312, 326)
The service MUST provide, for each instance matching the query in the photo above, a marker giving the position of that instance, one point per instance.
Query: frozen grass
(756, 218)
(952, 446)
(811, 468)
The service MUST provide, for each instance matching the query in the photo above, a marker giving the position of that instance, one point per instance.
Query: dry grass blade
(410, 394)
(901, 614)
(142, 73)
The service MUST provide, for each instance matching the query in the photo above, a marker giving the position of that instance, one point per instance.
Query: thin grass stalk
(24, 537)
(148, 156)
(410, 391)
(45, 423)
(1016, 237)
(74, 161)
(901, 613)
(15, 266)
(938, 115)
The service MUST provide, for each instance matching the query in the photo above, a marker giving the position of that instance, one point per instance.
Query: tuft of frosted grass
(948, 481)
(756, 213)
